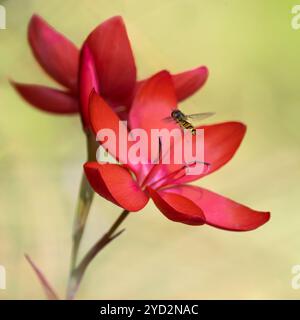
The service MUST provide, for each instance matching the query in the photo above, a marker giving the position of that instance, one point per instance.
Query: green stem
(86, 195)
(78, 273)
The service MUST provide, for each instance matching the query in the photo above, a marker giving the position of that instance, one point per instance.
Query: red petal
(114, 59)
(87, 82)
(47, 99)
(102, 117)
(153, 102)
(188, 82)
(55, 53)
(222, 212)
(221, 141)
(177, 208)
(115, 183)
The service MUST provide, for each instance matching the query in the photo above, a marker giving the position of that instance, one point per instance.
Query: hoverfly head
(176, 113)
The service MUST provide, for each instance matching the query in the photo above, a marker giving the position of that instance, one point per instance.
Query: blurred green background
(253, 56)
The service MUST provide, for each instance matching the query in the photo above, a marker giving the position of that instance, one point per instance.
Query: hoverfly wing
(200, 116)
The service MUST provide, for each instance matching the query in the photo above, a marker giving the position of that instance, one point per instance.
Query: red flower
(131, 186)
(107, 64)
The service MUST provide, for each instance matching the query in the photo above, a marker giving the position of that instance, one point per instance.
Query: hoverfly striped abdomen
(186, 125)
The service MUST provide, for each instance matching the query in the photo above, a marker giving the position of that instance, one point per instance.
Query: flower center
(169, 177)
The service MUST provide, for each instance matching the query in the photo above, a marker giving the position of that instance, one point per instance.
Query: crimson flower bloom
(131, 186)
(107, 64)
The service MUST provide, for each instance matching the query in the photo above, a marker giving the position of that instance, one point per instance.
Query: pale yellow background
(254, 59)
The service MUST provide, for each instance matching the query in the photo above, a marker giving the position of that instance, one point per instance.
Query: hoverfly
(182, 119)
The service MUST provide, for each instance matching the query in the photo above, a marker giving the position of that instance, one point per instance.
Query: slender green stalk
(86, 195)
(85, 198)
(78, 272)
